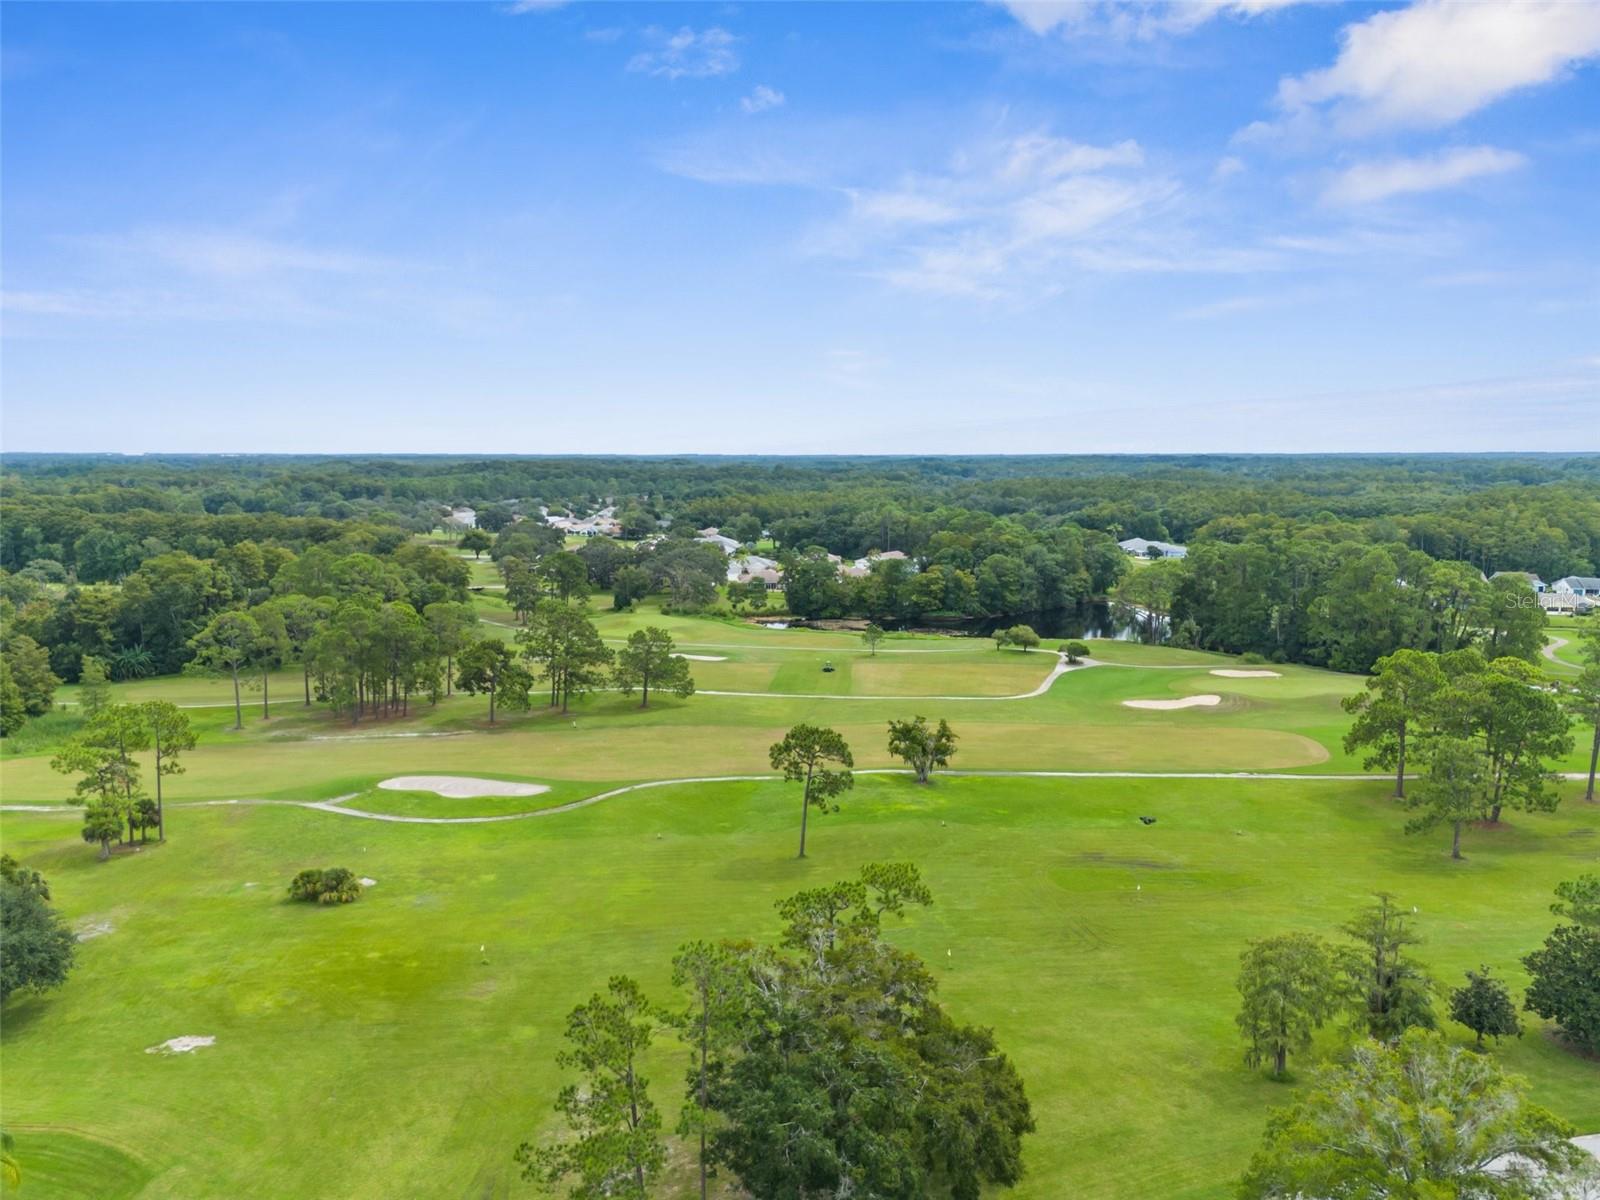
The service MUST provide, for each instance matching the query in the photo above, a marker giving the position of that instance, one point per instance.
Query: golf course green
(405, 1044)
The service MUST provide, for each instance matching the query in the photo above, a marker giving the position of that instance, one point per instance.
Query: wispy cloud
(1438, 61)
(762, 99)
(687, 53)
(1132, 20)
(1366, 182)
(229, 254)
(1004, 216)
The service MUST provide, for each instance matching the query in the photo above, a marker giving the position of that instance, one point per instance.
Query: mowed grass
(404, 1045)
(370, 1051)
(1290, 723)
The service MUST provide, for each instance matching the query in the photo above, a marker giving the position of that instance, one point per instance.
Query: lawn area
(1563, 653)
(1101, 950)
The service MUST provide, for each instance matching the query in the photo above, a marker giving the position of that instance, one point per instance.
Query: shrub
(1075, 651)
(1252, 658)
(1024, 636)
(333, 885)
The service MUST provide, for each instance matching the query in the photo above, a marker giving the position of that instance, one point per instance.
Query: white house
(749, 564)
(712, 536)
(1577, 585)
(1141, 547)
(1529, 577)
(863, 566)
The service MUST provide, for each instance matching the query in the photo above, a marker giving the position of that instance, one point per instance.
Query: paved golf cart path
(340, 804)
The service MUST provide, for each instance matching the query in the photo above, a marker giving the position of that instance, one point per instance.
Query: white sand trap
(1205, 701)
(460, 787)
(1230, 674)
(90, 930)
(365, 882)
(705, 657)
(181, 1045)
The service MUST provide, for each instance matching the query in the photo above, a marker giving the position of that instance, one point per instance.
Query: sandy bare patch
(460, 787)
(705, 657)
(181, 1045)
(365, 882)
(1205, 701)
(1228, 673)
(90, 930)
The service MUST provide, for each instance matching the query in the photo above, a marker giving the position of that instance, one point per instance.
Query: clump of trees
(1021, 636)
(1292, 984)
(39, 947)
(649, 660)
(325, 885)
(1565, 971)
(822, 1065)
(1487, 731)
(103, 754)
(1415, 1116)
(923, 747)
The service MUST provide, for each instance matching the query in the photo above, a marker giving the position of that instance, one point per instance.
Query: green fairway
(1100, 949)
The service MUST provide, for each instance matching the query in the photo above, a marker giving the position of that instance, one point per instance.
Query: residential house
(1528, 577)
(863, 566)
(713, 536)
(771, 576)
(748, 564)
(1141, 547)
(1577, 585)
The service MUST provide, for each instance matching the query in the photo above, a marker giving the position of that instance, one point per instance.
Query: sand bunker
(1230, 674)
(365, 882)
(705, 657)
(181, 1045)
(1205, 701)
(90, 930)
(460, 787)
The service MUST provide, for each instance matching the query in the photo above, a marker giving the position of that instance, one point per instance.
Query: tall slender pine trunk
(805, 811)
(1594, 760)
(1400, 767)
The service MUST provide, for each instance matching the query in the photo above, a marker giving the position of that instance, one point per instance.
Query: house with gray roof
(1141, 548)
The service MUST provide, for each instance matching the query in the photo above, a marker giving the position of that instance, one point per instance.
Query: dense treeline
(1537, 513)
(1330, 561)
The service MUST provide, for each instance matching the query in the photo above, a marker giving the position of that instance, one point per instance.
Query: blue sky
(542, 228)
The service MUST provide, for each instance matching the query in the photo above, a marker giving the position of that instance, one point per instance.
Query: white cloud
(687, 54)
(1004, 216)
(518, 8)
(762, 99)
(1226, 168)
(227, 254)
(1439, 60)
(1379, 179)
(1131, 20)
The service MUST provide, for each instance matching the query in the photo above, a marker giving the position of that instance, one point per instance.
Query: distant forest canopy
(1329, 560)
(1538, 513)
